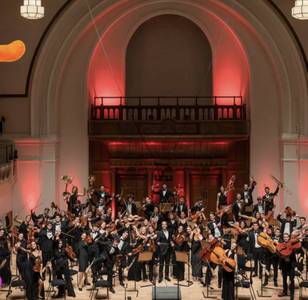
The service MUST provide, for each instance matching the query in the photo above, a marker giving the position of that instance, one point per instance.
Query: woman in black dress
(83, 260)
(221, 198)
(196, 248)
(228, 290)
(180, 245)
(61, 268)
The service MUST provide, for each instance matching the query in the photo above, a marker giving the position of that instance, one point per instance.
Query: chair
(98, 285)
(56, 283)
(17, 283)
(302, 285)
(244, 282)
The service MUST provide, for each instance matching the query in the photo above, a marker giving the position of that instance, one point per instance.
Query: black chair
(100, 284)
(56, 283)
(18, 284)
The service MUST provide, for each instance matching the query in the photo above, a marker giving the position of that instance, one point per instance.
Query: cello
(265, 241)
(208, 249)
(219, 257)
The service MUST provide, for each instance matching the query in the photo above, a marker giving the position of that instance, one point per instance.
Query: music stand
(261, 294)
(145, 256)
(183, 257)
(207, 294)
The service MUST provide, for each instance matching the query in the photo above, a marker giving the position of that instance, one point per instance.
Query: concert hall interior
(151, 144)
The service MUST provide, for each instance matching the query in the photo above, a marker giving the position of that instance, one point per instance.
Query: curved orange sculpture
(13, 51)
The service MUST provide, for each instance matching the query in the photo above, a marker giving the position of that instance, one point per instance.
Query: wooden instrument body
(265, 241)
(219, 257)
(207, 250)
(286, 249)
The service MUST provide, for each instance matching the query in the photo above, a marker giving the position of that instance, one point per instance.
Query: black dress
(31, 278)
(227, 292)
(179, 267)
(83, 256)
(5, 271)
(134, 271)
(196, 258)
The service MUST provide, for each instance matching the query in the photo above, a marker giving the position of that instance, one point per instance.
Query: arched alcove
(168, 55)
(74, 55)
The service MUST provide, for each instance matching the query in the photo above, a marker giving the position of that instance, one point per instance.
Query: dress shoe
(121, 283)
(111, 289)
(265, 283)
(160, 280)
(167, 278)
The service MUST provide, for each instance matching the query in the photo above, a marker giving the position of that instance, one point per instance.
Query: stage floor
(194, 292)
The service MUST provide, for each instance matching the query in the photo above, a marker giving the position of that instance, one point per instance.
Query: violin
(89, 239)
(208, 248)
(219, 257)
(180, 239)
(285, 249)
(37, 265)
(70, 252)
(138, 249)
(265, 241)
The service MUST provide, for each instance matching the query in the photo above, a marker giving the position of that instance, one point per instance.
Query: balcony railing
(7, 157)
(168, 108)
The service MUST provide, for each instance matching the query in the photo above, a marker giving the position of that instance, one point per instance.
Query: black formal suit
(212, 227)
(269, 200)
(131, 208)
(255, 252)
(164, 251)
(256, 209)
(46, 243)
(124, 248)
(178, 208)
(247, 195)
(283, 223)
(164, 195)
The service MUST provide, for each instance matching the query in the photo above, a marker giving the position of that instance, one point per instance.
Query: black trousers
(164, 261)
(272, 261)
(258, 255)
(287, 270)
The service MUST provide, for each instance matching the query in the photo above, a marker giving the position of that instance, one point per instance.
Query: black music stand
(181, 256)
(261, 293)
(144, 257)
(207, 294)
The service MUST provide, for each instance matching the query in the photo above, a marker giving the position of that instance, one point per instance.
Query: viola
(219, 257)
(265, 241)
(285, 249)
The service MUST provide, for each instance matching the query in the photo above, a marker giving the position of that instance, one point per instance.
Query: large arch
(274, 96)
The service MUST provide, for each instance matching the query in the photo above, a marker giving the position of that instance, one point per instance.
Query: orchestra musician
(164, 193)
(164, 239)
(103, 243)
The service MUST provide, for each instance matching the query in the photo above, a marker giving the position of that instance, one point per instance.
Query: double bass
(208, 249)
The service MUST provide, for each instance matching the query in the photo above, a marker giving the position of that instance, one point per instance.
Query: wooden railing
(168, 108)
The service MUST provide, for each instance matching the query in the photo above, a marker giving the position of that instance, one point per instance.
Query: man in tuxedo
(246, 195)
(268, 199)
(255, 249)
(131, 207)
(164, 194)
(102, 194)
(164, 250)
(287, 223)
(148, 208)
(237, 207)
(124, 249)
(214, 226)
(259, 206)
(180, 207)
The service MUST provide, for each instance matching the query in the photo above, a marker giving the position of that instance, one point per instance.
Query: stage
(194, 292)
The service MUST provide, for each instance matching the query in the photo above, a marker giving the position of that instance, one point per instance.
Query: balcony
(190, 117)
(7, 157)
